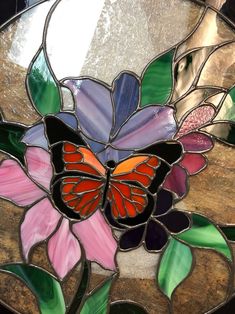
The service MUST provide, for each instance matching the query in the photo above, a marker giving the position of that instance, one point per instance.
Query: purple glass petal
(147, 126)
(35, 136)
(176, 181)
(175, 221)
(196, 142)
(69, 119)
(93, 108)
(126, 97)
(164, 202)
(95, 146)
(156, 236)
(112, 154)
(132, 238)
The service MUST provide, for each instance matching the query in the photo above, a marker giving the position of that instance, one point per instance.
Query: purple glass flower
(111, 120)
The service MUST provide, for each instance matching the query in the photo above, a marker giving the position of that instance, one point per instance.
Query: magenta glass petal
(193, 163)
(16, 186)
(63, 249)
(176, 181)
(39, 165)
(35, 136)
(197, 118)
(93, 108)
(147, 126)
(97, 240)
(196, 142)
(39, 222)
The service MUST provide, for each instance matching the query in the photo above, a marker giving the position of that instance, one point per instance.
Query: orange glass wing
(82, 195)
(128, 200)
(77, 158)
(140, 168)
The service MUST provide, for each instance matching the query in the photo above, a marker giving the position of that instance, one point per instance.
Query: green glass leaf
(223, 131)
(77, 300)
(174, 267)
(157, 80)
(204, 234)
(127, 308)
(229, 232)
(227, 110)
(10, 136)
(97, 302)
(45, 287)
(42, 87)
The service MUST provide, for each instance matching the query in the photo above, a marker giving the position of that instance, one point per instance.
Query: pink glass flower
(42, 222)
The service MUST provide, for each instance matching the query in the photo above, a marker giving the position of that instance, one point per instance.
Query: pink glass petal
(39, 165)
(194, 163)
(97, 240)
(145, 127)
(39, 222)
(63, 250)
(197, 118)
(176, 181)
(16, 186)
(196, 142)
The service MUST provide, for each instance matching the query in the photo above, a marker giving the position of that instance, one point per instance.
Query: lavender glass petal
(69, 119)
(112, 154)
(93, 108)
(147, 126)
(35, 136)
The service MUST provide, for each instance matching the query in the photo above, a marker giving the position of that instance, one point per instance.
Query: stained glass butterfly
(124, 184)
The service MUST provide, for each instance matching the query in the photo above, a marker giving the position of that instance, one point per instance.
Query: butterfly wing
(128, 185)
(82, 192)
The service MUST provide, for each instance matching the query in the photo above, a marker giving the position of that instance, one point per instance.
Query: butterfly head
(110, 164)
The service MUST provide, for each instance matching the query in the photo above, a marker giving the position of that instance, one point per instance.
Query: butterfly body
(87, 184)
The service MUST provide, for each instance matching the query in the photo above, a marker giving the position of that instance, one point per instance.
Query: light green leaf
(157, 80)
(97, 302)
(44, 286)
(174, 267)
(227, 110)
(42, 86)
(204, 234)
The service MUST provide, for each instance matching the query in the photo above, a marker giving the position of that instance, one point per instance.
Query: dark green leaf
(223, 131)
(229, 232)
(10, 136)
(42, 87)
(175, 266)
(204, 234)
(74, 307)
(127, 308)
(157, 80)
(97, 301)
(43, 285)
